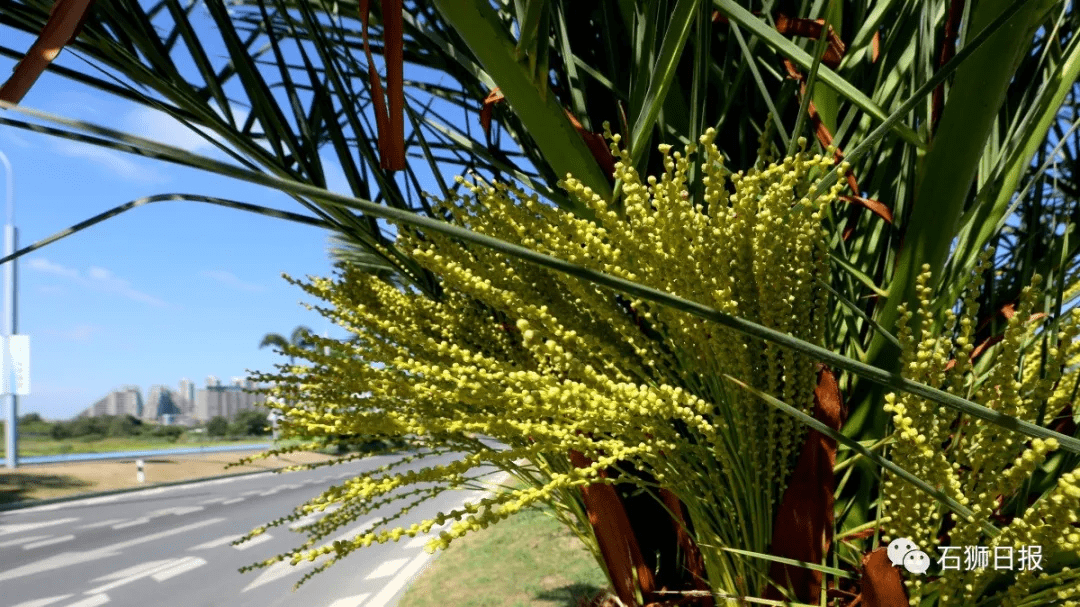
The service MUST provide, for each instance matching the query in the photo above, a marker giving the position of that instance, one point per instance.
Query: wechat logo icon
(903, 551)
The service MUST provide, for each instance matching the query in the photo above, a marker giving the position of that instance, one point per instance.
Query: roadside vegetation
(38, 436)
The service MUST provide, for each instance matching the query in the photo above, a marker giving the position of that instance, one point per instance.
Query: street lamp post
(11, 399)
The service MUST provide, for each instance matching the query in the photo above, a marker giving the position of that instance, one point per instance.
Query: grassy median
(528, 560)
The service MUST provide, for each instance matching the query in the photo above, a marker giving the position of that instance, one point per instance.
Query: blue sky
(163, 292)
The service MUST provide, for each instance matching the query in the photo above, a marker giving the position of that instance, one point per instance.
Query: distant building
(187, 393)
(183, 406)
(217, 399)
(126, 400)
(162, 401)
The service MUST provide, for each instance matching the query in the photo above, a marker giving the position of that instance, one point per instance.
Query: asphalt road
(171, 546)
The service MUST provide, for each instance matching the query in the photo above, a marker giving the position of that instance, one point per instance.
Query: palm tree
(952, 115)
(299, 339)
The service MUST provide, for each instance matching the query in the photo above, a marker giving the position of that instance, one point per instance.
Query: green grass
(32, 446)
(528, 560)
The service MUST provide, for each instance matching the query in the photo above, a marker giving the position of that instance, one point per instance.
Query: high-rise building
(187, 393)
(162, 401)
(126, 400)
(217, 399)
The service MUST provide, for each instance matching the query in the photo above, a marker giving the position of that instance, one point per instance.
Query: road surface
(171, 546)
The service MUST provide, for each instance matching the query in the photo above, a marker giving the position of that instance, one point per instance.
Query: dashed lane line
(111, 521)
(351, 601)
(45, 602)
(139, 521)
(94, 601)
(221, 541)
(67, 559)
(130, 574)
(255, 541)
(21, 527)
(388, 592)
(183, 566)
(234, 500)
(48, 542)
(387, 569)
(23, 540)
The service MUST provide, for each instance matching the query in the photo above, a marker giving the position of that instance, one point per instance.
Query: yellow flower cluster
(547, 363)
(976, 463)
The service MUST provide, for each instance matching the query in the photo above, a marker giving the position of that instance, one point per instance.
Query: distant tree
(252, 422)
(90, 426)
(300, 338)
(218, 426)
(60, 431)
(124, 425)
(172, 433)
(30, 418)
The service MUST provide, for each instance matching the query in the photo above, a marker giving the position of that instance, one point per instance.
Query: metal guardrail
(86, 457)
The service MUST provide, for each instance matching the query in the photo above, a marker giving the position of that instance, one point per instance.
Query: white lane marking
(255, 541)
(23, 540)
(46, 601)
(49, 542)
(221, 541)
(387, 569)
(269, 493)
(284, 568)
(111, 521)
(275, 572)
(186, 564)
(307, 519)
(351, 601)
(156, 536)
(313, 517)
(90, 501)
(213, 500)
(94, 601)
(232, 501)
(19, 528)
(251, 493)
(66, 559)
(395, 585)
(176, 511)
(139, 521)
(289, 486)
(131, 574)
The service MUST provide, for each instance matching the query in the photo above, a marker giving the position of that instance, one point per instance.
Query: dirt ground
(35, 482)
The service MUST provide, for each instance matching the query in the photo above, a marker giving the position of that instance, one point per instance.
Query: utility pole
(10, 325)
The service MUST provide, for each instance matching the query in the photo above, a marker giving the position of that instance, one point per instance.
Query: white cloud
(78, 333)
(231, 280)
(44, 265)
(118, 163)
(158, 126)
(96, 278)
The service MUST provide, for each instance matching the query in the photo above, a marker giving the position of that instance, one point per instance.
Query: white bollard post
(140, 474)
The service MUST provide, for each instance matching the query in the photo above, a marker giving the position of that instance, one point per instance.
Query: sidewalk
(41, 482)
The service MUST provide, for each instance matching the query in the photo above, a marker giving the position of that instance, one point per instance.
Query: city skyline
(183, 403)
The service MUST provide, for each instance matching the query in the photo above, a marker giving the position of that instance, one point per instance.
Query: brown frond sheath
(875, 47)
(65, 22)
(615, 536)
(824, 136)
(880, 585)
(695, 563)
(948, 49)
(811, 28)
(390, 124)
(804, 518)
(596, 143)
